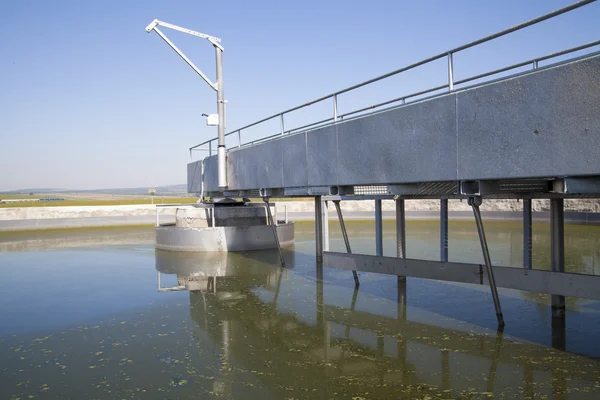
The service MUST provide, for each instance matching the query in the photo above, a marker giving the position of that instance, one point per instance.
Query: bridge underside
(535, 134)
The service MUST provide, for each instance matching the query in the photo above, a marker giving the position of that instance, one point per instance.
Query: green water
(100, 314)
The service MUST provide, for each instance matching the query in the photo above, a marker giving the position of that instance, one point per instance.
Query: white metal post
(222, 166)
(450, 72)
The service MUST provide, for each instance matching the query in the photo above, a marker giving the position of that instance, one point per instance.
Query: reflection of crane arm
(214, 40)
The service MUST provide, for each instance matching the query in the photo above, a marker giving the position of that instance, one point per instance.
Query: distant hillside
(167, 190)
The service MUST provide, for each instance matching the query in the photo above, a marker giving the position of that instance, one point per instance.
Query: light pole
(217, 86)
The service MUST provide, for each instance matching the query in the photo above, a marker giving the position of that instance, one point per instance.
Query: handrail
(450, 85)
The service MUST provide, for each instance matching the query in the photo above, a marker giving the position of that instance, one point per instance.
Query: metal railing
(450, 86)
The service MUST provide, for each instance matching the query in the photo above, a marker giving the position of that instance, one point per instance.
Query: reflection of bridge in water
(294, 347)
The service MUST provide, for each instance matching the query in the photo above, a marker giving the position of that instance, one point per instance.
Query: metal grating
(370, 190)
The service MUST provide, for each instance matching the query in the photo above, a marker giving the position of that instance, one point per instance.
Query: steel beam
(325, 216)
(527, 234)
(535, 280)
(444, 229)
(378, 228)
(557, 255)
(318, 229)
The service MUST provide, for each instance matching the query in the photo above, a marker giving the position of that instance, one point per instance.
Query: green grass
(91, 202)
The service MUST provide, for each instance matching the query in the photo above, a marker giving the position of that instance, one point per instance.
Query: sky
(90, 100)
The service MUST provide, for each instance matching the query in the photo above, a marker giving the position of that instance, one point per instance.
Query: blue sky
(90, 100)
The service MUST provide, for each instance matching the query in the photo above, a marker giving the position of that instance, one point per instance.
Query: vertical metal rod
(450, 72)
(475, 202)
(210, 148)
(400, 229)
(325, 211)
(557, 242)
(276, 220)
(239, 138)
(401, 253)
(378, 228)
(274, 228)
(345, 235)
(444, 230)
(527, 234)
(335, 108)
(286, 215)
(282, 123)
(212, 216)
(157, 221)
(318, 230)
(535, 64)
(221, 163)
(403, 101)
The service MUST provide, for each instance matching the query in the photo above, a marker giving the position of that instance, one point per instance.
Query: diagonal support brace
(475, 202)
(346, 240)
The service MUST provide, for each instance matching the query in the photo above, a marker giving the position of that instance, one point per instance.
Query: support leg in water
(345, 234)
(274, 227)
(475, 202)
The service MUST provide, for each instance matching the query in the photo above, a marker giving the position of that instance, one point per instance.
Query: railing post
(335, 109)
(450, 73)
(239, 138)
(210, 148)
(282, 124)
(535, 64)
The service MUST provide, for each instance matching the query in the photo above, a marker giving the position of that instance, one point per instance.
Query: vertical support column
(335, 108)
(221, 162)
(401, 253)
(527, 234)
(318, 230)
(444, 230)
(282, 124)
(346, 240)
(378, 229)
(557, 242)
(325, 212)
(475, 202)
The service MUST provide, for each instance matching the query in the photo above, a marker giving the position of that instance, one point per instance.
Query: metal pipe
(378, 228)
(318, 230)
(527, 234)
(282, 124)
(335, 108)
(474, 202)
(325, 211)
(345, 235)
(210, 148)
(557, 255)
(400, 229)
(535, 64)
(450, 73)
(239, 138)
(274, 228)
(157, 221)
(444, 230)
(221, 161)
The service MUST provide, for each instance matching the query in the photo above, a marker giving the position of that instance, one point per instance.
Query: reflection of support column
(325, 219)
(401, 253)
(381, 354)
(378, 228)
(494, 362)
(559, 333)
(446, 381)
(345, 235)
(557, 242)
(352, 306)
(319, 299)
(475, 202)
(527, 234)
(278, 288)
(528, 382)
(318, 229)
(444, 230)
(274, 228)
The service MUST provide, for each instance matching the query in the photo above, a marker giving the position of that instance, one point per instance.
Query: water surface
(100, 314)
